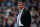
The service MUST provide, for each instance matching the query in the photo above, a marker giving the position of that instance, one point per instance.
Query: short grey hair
(20, 2)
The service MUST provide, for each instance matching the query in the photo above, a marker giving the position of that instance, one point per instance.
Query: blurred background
(9, 12)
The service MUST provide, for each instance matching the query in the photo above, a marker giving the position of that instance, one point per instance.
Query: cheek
(21, 6)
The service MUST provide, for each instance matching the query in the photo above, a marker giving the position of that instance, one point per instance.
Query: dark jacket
(26, 18)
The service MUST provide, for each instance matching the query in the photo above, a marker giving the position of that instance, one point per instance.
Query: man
(24, 17)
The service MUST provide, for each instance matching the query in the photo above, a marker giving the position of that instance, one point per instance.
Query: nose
(18, 6)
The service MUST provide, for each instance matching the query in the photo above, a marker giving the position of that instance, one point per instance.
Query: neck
(22, 8)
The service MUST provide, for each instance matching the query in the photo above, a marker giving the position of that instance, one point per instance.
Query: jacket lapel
(22, 14)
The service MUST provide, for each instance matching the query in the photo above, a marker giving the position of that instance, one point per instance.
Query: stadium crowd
(9, 12)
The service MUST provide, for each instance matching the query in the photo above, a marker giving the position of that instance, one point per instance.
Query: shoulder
(26, 10)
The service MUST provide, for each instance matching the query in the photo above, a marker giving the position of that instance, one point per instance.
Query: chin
(19, 8)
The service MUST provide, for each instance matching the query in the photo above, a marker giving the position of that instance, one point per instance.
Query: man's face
(20, 6)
